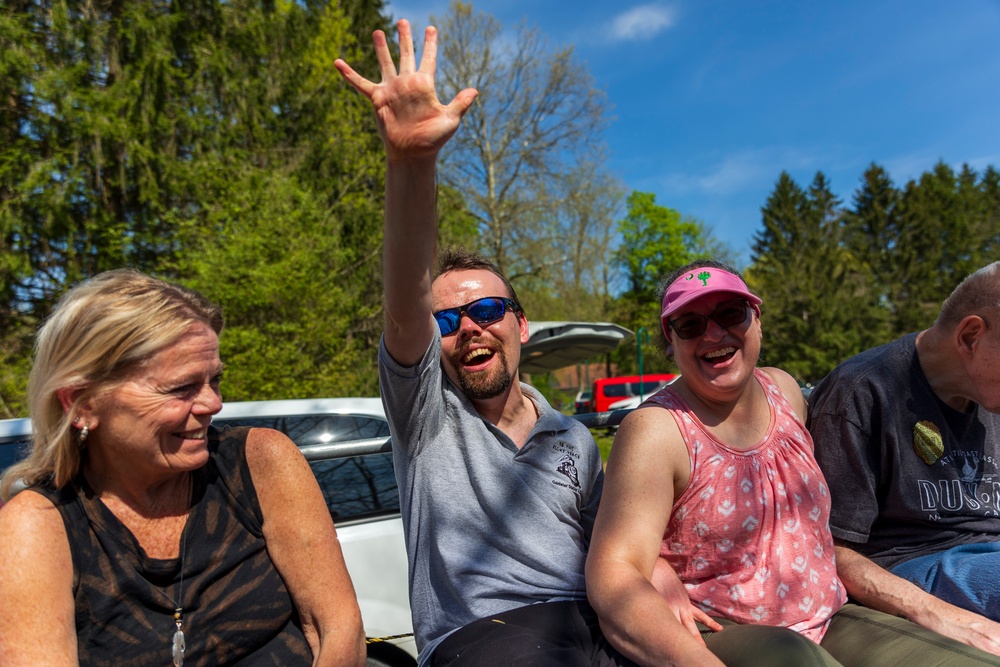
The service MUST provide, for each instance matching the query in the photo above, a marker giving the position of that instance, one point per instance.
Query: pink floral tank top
(750, 535)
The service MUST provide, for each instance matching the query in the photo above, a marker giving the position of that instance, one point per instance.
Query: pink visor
(700, 282)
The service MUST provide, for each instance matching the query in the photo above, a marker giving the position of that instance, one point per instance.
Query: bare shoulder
(284, 481)
(30, 516)
(34, 552)
(650, 439)
(37, 626)
(790, 388)
(267, 449)
(646, 420)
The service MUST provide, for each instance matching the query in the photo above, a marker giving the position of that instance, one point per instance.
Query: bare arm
(37, 626)
(876, 587)
(414, 126)
(651, 627)
(302, 542)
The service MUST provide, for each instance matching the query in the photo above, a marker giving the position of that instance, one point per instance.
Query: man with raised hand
(498, 490)
(908, 437)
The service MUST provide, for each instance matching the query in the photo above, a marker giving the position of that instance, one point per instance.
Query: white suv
(345, 441)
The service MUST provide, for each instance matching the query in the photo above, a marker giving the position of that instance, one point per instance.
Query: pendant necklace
(178, 646)
(178, 643)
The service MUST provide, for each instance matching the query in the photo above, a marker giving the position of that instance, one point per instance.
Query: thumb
(462, 102)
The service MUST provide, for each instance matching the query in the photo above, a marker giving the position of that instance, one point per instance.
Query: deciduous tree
(537, 116)
(655, 240)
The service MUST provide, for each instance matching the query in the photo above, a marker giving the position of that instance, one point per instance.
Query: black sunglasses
(727, 314)
(483, 311)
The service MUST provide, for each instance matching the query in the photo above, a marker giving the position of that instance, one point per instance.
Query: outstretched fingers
(385, 64)
(360, 83)
(407, 60)
(428, 60)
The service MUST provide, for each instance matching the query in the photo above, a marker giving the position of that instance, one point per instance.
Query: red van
(611, 390)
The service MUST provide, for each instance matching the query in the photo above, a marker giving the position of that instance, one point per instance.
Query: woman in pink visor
(716, 474)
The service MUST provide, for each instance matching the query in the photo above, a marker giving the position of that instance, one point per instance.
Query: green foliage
(208, 142)
(816, 308)
(212, 142)
(655, 241)
(838, 281)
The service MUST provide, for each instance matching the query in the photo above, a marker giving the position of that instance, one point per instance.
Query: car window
(355, 487)
(316, 429)
(616, 390)
(358, 487)
(12, 450)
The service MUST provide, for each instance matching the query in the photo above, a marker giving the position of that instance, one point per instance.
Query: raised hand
(412, 122)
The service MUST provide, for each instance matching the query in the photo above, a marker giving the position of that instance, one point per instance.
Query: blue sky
(712, 99)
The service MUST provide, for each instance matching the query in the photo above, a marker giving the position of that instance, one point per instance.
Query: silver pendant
(179, 647)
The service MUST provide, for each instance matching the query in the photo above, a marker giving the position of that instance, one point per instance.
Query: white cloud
(642, 22)
(738, 172)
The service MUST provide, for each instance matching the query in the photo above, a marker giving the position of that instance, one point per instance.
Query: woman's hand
(669, 585)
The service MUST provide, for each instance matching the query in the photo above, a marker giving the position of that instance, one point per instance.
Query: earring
(84, 432)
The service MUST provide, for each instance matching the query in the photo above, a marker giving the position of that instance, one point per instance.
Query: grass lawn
(604, 437)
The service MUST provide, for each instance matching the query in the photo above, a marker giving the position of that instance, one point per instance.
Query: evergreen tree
(816, 311)
(990, 186)
(201, 141)
(930, 220)
(872, 228)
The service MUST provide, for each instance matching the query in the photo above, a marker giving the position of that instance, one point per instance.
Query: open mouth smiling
(722, 354)
(478, 355)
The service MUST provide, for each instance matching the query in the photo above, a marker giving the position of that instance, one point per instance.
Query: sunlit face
(481, 360)
(157, 419)
(719, 362)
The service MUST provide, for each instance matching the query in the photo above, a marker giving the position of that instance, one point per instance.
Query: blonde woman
(146, 535)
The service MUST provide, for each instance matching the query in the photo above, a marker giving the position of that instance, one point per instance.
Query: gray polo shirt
(488, 527)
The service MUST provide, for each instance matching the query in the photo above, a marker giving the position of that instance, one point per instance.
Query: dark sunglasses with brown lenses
(727, 314)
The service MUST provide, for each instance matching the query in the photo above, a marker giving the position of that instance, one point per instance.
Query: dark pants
(566, 634)
(857, 637)
(547, 634)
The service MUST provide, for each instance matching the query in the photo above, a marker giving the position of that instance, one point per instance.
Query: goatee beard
(481, 386)
(484, 385)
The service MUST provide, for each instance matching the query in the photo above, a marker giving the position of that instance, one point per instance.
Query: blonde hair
(98, 334)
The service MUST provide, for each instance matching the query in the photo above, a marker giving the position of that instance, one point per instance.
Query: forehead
(457, 288)
(197, 347)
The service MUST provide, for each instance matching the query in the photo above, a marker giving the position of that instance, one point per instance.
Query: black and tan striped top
(236, 607)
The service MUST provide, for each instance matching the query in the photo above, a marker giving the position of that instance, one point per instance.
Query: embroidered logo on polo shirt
(567, 466)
